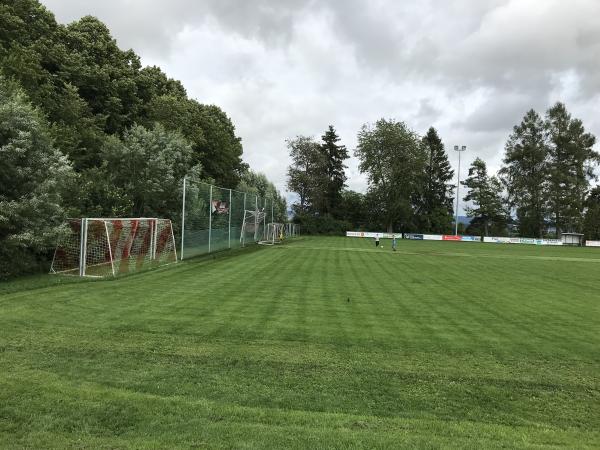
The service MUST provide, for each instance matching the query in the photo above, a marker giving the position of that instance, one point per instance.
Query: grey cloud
(282, 68)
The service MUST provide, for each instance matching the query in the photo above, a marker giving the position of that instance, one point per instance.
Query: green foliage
(33, 175)
(488, 210)
(148, 166)
(394, 160)
(353, 209)
(311, 224)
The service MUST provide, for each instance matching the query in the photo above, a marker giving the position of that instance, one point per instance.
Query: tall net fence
(215, 218)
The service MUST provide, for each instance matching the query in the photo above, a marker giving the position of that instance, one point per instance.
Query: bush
(31, 181)
(322, 225)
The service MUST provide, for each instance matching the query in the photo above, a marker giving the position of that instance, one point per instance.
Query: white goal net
(109, 247)
(274, 234)
(253, 226)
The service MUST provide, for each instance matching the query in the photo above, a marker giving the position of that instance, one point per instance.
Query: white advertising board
(515, 240)
(592, 243)
(372, 234)
(432, 237)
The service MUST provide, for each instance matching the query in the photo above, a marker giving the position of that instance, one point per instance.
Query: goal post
(252, 226)
(100, 247)
(274, 234)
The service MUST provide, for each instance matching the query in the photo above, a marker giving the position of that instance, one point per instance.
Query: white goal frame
(274, 234)
(115, 246)
(253, 220)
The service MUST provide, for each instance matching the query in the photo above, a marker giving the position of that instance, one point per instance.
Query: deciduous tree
(394, 160)
(33, 176)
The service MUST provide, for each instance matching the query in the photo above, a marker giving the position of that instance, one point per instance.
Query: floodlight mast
(459, 150)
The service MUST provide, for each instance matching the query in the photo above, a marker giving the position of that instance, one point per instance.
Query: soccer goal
(275, 233)
(253, 226)
(99, 247)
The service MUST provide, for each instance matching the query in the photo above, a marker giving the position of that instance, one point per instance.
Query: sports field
(317, 343)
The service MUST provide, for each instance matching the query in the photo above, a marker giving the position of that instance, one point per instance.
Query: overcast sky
(471, 68)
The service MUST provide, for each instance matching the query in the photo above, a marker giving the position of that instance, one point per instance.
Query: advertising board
(413, 236)
(373, 234)
(516, 240)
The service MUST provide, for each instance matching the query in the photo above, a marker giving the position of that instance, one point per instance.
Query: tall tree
(484, 192)
(33, 178)
(525, 173)
(307, 173)
(394, 159)
(435, 204)
(334, 155)
(571, 160)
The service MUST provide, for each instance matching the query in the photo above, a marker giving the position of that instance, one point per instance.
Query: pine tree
(435, 205)
(334, 156)
(571, 160)
(484, 191)
(526, 172)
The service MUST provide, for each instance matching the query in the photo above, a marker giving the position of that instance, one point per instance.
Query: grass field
(318, 343)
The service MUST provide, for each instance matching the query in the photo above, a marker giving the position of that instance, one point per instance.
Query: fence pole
(182, 219)
(243, 230)
(230, 209)
(83, 248)
(209, 218)
(255, 218)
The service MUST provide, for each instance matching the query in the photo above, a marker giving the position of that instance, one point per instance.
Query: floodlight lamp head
(456, 147)
(463, 148)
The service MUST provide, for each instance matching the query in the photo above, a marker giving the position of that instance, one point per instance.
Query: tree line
(85, 130)
(542, 189)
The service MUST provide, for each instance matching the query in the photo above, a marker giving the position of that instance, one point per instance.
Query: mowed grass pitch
(441, 345)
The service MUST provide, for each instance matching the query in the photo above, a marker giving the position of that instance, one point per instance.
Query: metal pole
(83, 248)
(182, 219)
(243, 230)
(229, 218)
(210, 218)
(255, 218)
(459, 150)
